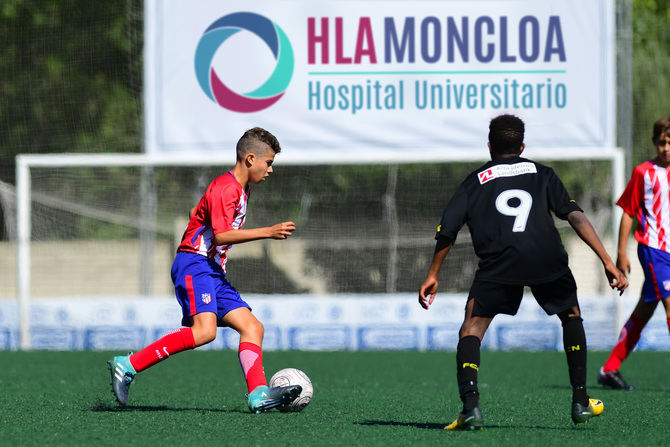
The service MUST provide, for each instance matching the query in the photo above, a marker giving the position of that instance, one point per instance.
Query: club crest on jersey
(506, 171)
(206, 298)
(666, 284)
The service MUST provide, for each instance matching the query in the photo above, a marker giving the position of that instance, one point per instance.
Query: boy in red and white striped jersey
(647, 200)
(206, 297)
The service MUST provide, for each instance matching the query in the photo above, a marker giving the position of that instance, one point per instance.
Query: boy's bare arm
(625, 228)
(279, 231)
(429, 286)
(582, 226)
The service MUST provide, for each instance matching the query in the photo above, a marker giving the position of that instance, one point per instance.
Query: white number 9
(521, 212)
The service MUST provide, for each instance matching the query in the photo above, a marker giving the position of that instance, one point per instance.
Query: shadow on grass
(440, 426)
(101, 407)
(426, 425)
(594, 389)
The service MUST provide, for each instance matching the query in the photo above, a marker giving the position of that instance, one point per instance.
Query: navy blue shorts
(656, 266)
(201, 286)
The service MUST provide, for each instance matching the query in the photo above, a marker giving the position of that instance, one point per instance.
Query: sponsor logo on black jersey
(506, 171)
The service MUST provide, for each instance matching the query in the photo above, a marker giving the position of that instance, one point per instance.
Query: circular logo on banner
(270, 33)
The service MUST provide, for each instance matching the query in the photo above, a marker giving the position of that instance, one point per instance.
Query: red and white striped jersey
(223, 207)
(647, 198)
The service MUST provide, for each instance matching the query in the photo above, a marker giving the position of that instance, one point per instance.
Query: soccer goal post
(92, 225)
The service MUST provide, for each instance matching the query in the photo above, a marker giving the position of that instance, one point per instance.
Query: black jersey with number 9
(507, 205)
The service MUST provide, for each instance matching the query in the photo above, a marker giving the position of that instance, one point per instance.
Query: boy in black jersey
(506, 205)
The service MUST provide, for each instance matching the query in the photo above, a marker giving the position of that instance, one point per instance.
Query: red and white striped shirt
(647, 198)
(223, 207)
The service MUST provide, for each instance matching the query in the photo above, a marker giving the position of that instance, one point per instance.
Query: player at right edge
(647, 200)
(506, 204)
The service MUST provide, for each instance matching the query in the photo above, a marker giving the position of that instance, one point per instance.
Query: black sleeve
(559, 199)
(454, 215)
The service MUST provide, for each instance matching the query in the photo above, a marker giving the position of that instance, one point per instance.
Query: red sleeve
(224, 201)
(632, 197)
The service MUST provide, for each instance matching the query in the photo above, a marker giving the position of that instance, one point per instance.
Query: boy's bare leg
(476, 326)
(666, 305)
(203, 328)
(261, 397)
(251, 339)
(246, 324)
(609, 375)
(124, 368)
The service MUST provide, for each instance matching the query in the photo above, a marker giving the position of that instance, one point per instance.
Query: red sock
(251, 361)
(630, 334)
(668, 324)
(172, 343)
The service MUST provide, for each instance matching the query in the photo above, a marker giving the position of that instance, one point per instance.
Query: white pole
(619, 180)
(619, 183)
(23, 227)
(391, 208)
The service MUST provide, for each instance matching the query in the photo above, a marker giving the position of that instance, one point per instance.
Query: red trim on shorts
(191, 293)
(653, 278)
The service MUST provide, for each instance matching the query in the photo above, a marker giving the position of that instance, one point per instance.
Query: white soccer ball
(293, 376)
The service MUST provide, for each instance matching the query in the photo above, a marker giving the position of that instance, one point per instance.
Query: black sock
(467, 367)
(574, 342)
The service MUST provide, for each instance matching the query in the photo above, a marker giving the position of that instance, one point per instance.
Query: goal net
(101, 226)
(113, 229)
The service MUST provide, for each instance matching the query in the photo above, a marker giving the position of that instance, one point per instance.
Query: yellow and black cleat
(471, 420)
(582, 414)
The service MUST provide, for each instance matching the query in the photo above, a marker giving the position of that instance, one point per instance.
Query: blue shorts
(201, 286)
(656, 266)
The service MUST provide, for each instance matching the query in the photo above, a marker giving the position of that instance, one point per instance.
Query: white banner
(377, 79)
(336, 322)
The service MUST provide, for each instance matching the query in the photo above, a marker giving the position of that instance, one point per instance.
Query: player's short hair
(250, 139)
(661, 127)
(506, 134)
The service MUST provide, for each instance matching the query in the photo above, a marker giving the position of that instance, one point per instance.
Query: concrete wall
(90, 268)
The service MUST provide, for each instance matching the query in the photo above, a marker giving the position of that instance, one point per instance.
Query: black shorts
(493, 298)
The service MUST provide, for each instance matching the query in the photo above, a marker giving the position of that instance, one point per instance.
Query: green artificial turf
(360, 398)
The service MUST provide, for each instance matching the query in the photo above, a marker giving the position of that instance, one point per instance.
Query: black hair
(250, 139)
(506, 134)
(661, 127)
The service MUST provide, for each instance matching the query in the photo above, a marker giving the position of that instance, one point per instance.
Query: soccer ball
(293, 376)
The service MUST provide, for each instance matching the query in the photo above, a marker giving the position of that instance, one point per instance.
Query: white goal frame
(24, 164)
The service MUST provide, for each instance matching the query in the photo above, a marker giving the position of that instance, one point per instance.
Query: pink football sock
(172, 343)
(630, 335)
(251, 361)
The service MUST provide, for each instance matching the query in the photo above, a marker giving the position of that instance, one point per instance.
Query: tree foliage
(651, 72)
(71, 81)
(70, 74)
